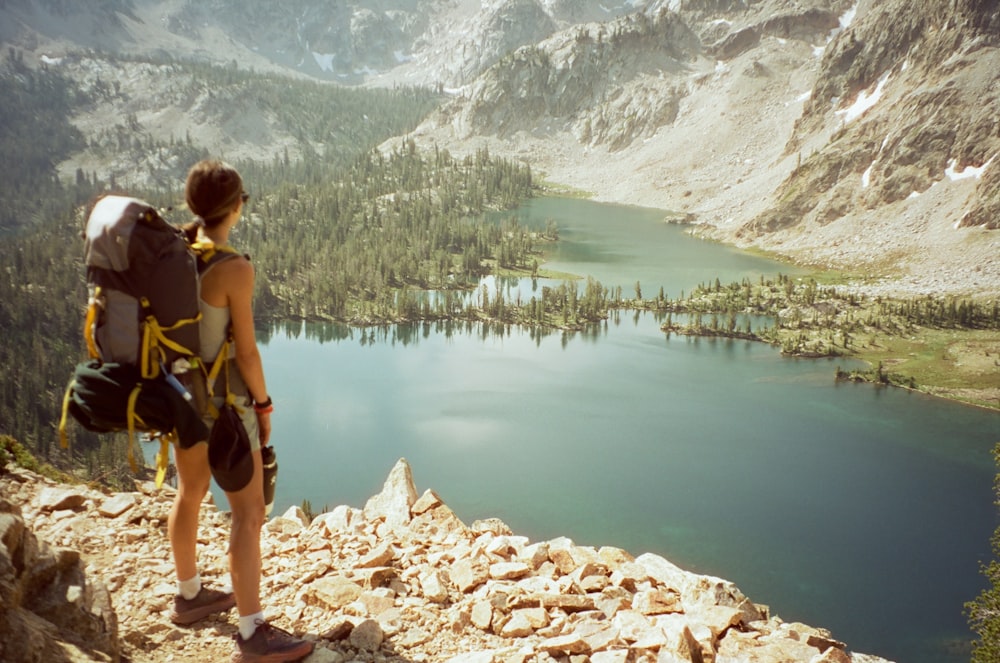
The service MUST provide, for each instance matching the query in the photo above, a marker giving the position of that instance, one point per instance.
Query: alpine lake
(864, 510)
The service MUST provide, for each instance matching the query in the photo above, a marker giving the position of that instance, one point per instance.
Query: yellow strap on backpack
(132, 417)
(90, 322)
(154, 336)
(63, 438)
(163, 457)
(206, 250)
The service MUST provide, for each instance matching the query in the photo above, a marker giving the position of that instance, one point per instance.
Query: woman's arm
(240, 281)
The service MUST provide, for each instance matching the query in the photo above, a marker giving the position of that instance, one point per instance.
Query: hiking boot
(207, 602)
(270, 644)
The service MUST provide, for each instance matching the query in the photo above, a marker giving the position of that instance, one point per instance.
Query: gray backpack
(141, 328)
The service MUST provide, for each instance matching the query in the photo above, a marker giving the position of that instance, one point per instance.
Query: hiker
(215, 194)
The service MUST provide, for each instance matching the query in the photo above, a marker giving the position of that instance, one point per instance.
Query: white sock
(248, 624)
(189, 588)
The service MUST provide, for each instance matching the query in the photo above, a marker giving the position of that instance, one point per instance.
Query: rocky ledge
(87, 576)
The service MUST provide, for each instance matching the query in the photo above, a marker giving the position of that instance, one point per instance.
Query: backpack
(141, 329)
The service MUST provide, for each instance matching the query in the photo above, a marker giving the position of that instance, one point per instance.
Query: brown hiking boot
(270, 644)
(207, 602)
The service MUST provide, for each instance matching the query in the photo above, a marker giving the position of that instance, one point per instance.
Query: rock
(565, 644)
(116, 505)
(509, 570)
(492, 525)
(367, 635)
(474, 657)
(333, 592)
(429, 500)
(434, 585)
(467, 574)
(58, 499)
(610, 656)
(832, 655)
(397, 496)
(482, 615)
(50, 610)
(435, 594)
(657, 601)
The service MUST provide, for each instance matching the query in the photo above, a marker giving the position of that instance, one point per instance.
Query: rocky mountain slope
(416, 42)
(860, 136)
(86, 576)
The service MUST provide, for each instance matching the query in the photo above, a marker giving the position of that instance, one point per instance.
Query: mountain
(858, 136)
(861, 138)
(383, 42)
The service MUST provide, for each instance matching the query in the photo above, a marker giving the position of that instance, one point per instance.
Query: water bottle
(270, 477)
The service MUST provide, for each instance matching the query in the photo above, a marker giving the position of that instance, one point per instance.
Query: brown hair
(212, 191)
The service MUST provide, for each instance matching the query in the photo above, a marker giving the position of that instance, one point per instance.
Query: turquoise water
(863, 510)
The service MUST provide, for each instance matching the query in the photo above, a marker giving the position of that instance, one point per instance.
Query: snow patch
(848, 17)
(324, 60)
(866, 177)
(967, 172)
(845, 21)
(864, 102)
(50, 60)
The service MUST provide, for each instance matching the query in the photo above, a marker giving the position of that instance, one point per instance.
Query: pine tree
(984, 612)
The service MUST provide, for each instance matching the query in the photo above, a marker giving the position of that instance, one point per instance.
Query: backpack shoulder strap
(210, 254)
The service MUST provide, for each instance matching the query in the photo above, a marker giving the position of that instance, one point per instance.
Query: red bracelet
(264, 408)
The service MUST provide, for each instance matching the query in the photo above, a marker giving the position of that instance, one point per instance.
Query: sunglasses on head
(244, 196)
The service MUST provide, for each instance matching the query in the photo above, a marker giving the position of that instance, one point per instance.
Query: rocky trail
(87, 576)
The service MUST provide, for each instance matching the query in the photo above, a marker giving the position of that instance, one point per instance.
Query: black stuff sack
(103, 397)
(229, 453)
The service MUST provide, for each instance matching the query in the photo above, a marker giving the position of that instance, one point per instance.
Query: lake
(859, 509)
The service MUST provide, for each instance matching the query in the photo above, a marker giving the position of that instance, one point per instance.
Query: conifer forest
(346, 232)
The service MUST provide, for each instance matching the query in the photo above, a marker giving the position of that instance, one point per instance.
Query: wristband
(265, 407)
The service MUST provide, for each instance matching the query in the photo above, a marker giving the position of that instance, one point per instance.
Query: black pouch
(229, 451)
(99, 400)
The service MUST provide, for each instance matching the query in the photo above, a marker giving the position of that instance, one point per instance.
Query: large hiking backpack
(143, 282)
(141, 330)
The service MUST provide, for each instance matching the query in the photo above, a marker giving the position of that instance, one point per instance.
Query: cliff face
(860, 137)
(909, 99)
(402, 579)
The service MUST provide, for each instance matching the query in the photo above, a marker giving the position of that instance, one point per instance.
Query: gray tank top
(212, 331)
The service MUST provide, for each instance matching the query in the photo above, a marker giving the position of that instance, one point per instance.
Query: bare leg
(193, 477)
(247, 507)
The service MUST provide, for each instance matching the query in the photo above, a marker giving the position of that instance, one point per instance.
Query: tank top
(212, 332)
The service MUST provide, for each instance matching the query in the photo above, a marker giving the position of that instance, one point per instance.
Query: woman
(214, 193)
